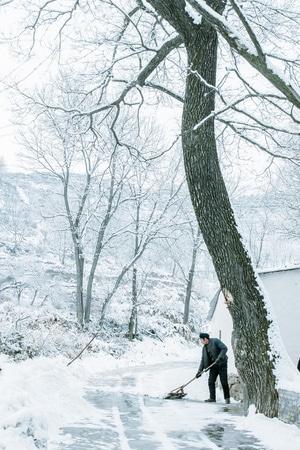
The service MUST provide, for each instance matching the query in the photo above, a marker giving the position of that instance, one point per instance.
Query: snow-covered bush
(27, 332)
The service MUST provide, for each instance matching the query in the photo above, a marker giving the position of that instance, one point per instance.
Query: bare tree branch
(140, 80)
(256, 60)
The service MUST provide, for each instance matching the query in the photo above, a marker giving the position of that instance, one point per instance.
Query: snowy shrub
(33, 329)
(27, 333)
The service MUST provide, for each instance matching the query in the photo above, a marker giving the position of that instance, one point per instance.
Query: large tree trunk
(216, 220)
(214, 212)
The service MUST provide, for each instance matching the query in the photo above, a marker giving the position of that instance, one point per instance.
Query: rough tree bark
(214, 212)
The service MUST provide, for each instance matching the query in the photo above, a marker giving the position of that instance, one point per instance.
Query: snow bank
(37, 396)
(40, 395)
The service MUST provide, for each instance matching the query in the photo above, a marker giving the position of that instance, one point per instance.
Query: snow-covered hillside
(40, 333)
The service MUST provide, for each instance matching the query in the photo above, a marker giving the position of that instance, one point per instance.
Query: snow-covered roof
(214, 300)
(278, 269)
(213, 304)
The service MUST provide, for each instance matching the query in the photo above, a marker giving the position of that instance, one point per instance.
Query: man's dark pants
(213, 374)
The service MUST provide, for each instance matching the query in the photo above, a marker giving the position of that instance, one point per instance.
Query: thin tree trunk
(190, 280)
(133, 316)
(99, 243)
(119, 279)
(79, 261)
(77, 240)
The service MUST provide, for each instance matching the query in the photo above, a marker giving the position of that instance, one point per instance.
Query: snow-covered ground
(39, 396)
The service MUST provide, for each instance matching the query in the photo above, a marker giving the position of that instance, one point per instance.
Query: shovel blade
(174, 395)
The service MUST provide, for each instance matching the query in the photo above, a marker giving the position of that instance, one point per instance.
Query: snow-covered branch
(255, 58)
(143, 75)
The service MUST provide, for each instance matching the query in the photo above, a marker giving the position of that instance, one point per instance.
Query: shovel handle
(188, 382)
(180, 388)
(207, 368)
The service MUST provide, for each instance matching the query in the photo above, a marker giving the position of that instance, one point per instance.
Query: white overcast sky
(7, 149)
(12, 69)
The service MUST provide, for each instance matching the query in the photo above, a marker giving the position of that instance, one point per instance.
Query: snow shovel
(179, 392)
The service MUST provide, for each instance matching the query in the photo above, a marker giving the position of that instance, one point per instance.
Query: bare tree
(287, 193)
(184, 246)
(189, 285)
(209, 194)
(156, 193)
(2, 166)
(15, 216)
(91, 187)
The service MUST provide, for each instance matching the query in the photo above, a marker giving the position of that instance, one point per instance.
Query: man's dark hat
(203, 336)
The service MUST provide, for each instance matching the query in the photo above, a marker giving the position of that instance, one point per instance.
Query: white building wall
(221, 327)
(283, 288)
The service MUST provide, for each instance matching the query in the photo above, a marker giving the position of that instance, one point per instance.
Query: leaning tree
(254, 355)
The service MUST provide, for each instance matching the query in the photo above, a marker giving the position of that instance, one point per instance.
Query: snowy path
(134, 416)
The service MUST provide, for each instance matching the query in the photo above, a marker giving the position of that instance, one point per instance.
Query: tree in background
(155, 188)
(2, 166)
(97, 184)
(86, 168)
(184, 247)
(286, 193)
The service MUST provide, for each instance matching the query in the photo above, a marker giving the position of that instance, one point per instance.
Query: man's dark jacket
(214, 351)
